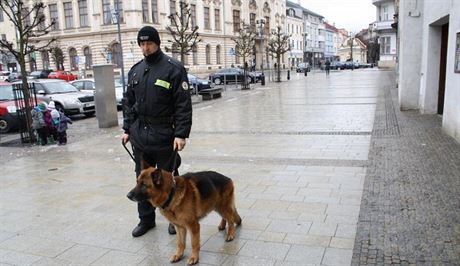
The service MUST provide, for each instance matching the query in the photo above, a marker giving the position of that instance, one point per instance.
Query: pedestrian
(60, 122)
(53, 132)
(158, 114)
(328, 67)
(39, 124)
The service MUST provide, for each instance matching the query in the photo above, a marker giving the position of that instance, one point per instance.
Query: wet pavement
(297, 151)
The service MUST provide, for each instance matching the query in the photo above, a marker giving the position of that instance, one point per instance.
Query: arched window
(208, 54)
(218, 55)
(195, 55)
(73, 59)
(116, 54)
(88, 58)
(45, 60)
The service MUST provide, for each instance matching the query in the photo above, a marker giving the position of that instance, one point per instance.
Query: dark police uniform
(158, 108)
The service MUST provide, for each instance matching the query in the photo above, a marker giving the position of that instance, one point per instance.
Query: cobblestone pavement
(298, 152)
(410, 212)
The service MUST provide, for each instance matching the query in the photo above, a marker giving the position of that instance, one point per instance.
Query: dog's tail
(236, 216)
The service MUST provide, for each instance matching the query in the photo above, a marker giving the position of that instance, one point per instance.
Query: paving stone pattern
(410, 210)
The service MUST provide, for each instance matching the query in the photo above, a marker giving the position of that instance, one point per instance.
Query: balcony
(379, 2)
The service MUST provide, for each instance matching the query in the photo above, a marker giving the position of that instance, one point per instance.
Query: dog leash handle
(126, 148)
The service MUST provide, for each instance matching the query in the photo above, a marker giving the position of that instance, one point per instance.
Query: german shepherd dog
(184, 200)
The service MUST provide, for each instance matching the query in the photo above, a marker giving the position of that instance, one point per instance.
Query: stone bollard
(105, 99)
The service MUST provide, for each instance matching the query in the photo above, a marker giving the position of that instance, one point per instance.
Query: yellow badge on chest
(163, 84)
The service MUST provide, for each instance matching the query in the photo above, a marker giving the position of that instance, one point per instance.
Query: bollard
(105, 100)
(305, 72)
(288, 75)
(262, 79)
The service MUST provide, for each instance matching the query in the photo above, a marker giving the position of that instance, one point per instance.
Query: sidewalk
(327, 172)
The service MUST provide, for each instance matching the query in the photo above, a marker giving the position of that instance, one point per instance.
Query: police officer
(158, 114)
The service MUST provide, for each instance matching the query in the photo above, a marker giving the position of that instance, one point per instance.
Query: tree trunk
(278, 69)
(26, 94)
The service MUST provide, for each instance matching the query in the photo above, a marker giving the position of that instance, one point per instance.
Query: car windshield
(6, 93)
(59, 87)
(36, 73)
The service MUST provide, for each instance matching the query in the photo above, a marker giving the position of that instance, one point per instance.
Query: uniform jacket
(157, 88)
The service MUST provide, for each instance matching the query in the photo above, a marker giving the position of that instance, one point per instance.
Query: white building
(429, 60)
(294, 27)
(331, 43)
(87, 34)
(386, 33)
(8, 33)
(353, 48)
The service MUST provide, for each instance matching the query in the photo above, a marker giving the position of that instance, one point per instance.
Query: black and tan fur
(195, 195)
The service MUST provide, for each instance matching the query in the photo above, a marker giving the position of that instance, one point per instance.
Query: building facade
(8, 33)
(87, 32)
(353, 49)
(295, 28)
(385, 12)
(331, 47)
(429, 68)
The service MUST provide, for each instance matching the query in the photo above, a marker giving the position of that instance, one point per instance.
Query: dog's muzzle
(137, 197)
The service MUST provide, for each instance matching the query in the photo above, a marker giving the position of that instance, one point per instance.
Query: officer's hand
(124, 138)
(179, 144)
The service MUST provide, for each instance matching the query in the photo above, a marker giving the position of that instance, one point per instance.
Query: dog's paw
(192, 260)
(229, 238)
(175, 258)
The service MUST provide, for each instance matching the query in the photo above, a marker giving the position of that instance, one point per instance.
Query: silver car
(89, 86)
(66, 97)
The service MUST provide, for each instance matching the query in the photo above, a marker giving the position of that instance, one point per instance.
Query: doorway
(442, 67)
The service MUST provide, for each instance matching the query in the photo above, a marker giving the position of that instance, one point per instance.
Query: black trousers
(162, 159)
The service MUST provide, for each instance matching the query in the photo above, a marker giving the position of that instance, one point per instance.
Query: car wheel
(4, 126)
(59, 107)
(217, 81)
(90, 114)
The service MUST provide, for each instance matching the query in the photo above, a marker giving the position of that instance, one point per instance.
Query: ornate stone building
(87, 33)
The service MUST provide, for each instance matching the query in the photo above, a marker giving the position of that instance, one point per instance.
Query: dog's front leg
(194, 229)
(180, 243)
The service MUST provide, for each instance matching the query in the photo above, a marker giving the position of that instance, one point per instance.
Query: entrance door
(442, 68)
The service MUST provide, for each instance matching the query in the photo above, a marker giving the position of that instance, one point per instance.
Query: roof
(305, 10)
(330, 27)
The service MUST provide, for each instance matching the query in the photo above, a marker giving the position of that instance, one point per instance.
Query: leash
(173, 157)
(126, 148)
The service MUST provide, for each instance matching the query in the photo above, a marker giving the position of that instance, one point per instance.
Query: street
(303, 155)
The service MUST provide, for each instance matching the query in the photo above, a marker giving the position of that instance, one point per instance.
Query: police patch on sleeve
(185, 85)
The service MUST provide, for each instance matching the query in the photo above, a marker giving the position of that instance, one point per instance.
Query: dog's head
(153, 185)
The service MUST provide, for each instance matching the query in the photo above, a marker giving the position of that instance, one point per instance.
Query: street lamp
(116, 19)
(261, 23)
(351, 51)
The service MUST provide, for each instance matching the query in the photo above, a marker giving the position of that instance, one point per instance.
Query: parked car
(40, 74)
(198, 84)
(89, 86)
(4, 76)
(9, 119)
(231, 75)
(14, 76)
(336, 65)
(64, 75)
(66, 97)
(301, 67)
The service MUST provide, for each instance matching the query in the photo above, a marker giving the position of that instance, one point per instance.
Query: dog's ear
(144, 163)
(157, 177)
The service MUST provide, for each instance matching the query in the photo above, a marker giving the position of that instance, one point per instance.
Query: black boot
(171, 229)
(141, 229)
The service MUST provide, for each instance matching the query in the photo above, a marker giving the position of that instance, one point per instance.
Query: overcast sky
(352, 15)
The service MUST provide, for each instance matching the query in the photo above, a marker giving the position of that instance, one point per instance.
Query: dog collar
(170, 196)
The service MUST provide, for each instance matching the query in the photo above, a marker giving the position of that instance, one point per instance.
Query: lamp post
(351, 51)
(261, 23)
(116, 19)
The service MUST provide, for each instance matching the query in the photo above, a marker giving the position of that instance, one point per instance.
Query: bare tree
(29, 22)
(278, 45)
(184, 34)
(245, 42)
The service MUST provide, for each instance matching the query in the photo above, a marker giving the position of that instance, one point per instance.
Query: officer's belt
(165, 120)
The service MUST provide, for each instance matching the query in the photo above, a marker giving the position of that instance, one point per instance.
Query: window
(385, 13)
(385, 45)
(172, 7)
(237, 55)
(154, 11)
(218, 55)
(145, 10)
(3, 37)
(208, 54)
(68, 15)
(267, 26)
(193, 15)
(88, 58)
(174, 51)
(1, 16)
(54, 16)
(26, 16)
(41, 16)
(106, 12)
(32, 62)
(217, 19)
(116, 54)
(119, 7)
(207, 25)
(236, 20)
(252, 19)
(73, 59)
(45, 60)
(83, 9)
(195, 55)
